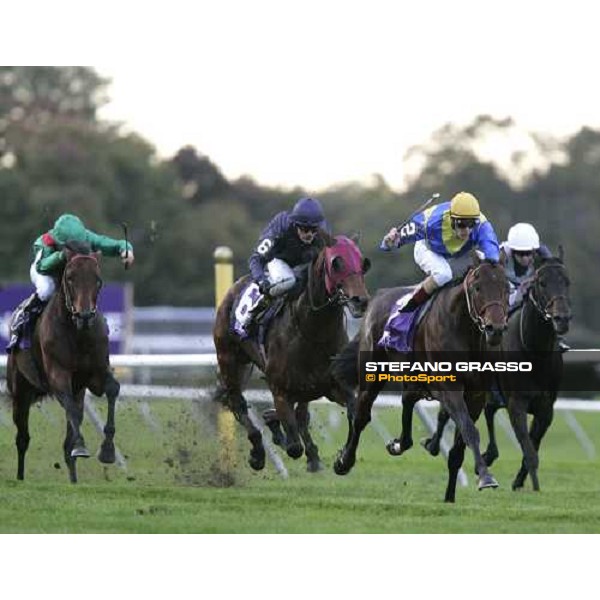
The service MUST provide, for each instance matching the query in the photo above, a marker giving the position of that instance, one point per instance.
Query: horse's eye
(477, 288)
(542, 284)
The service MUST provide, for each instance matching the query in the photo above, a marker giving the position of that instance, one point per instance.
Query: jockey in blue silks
(443, 235)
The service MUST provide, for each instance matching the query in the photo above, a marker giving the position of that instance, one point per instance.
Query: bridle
(339, 297)
(68, 300)
(475, 314)
(543, 311)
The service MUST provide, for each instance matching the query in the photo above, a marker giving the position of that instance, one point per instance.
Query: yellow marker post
(223, 256)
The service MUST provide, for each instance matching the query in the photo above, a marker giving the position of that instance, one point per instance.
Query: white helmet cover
(523, 237)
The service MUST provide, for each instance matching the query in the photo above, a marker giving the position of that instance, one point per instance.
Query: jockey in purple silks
(289, 240)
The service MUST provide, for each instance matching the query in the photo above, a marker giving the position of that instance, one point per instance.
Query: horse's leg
(74, 410)
(517, 412)
(362, 415)
(287, 417)
(69, 458)
(432, 444)
(313, 462)
(456, 457)
(491, 453)
(399, 445)
(21, 405)
(107, 449)
(542, 420)
(464, 415)
(233, 376)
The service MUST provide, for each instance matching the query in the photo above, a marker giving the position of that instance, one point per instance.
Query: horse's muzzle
(357, 305)
(84, 319)
(561, 324)
(493, 333)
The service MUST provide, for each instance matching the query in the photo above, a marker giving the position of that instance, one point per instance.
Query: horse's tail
(344, 366)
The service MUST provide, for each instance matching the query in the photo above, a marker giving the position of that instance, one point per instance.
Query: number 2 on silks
(408, 230)
(264, 246)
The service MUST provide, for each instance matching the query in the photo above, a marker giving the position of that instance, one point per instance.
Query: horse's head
(549, 291)
(81, 283)
(345, 268)
(486, 290)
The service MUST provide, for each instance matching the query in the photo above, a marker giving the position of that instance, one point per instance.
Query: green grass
(173, 483)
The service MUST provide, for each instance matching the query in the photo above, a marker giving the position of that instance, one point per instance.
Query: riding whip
(124, 225)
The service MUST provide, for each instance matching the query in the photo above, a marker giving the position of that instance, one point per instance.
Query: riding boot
(24, 318)
(419, 297)
(257, 313)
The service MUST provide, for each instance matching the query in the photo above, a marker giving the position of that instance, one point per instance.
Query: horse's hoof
(314, 466)
(396, 448)
(487, 481)
(107, 455)
(80, 452)
(341, 466)
(295, 451)
(257, 460)
(517, 486)
(434, 450)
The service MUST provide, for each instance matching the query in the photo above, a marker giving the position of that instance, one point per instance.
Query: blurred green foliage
(56, 155)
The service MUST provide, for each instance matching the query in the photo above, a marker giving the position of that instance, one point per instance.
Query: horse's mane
(78, 247)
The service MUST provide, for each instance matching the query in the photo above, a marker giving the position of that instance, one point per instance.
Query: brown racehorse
(299, 345)
(69, 353)
(532, 335)
(460, 319)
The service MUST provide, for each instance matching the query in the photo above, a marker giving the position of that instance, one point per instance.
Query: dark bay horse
(299, 345)
(69, 353)
(532, 335)
(461, 318)
(532, 332)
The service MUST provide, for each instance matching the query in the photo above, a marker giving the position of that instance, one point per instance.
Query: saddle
(22, 325)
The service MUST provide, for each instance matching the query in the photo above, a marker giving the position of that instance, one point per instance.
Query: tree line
(57, 155)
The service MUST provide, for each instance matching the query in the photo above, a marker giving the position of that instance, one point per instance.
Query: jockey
(443, 235)
(289, 240)
(522, 243)
(521, 247)
(50, 257)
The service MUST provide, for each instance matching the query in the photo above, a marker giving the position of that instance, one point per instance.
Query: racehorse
(532, 333)
(69, 353)
(300, 341)
(461, 319)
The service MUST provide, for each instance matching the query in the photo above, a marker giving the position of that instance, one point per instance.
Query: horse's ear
(326, 237)
(502, 260)
(69, 254)
(366, 265)
(355, 237)
(561, 253)
(97, 255)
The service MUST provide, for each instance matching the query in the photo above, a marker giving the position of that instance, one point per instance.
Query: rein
(475, 316)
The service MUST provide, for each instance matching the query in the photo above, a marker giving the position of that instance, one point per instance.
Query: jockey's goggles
(307, 228)
(464, 223)
(522, 252)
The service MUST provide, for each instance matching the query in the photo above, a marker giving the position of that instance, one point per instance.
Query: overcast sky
(314, 93)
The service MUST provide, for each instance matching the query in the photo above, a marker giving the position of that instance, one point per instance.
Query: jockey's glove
(264, 285)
